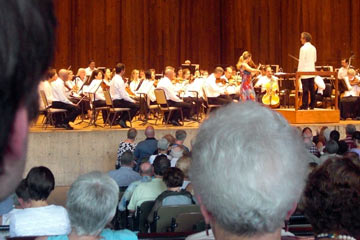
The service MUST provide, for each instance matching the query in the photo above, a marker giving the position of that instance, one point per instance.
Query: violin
(271, 97)
(220, 81)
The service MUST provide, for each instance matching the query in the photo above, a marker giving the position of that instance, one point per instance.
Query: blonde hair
(184, 165)
(351, 72)
(133, 74)
(242, 58)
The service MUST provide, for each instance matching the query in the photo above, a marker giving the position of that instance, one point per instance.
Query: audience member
(330, 150)
(6, 205)
(310, 146)
(176, 153)
(343, 147)
(248, 197)
(356, 138)
(162, 149)
(184, 165)
(331, 199)
(353, 156)
(146, 173)
(335, 135)
(125, 174)
(149, 191)
(127, 145)
(27, 37)
(21, 200)
(171, 139)
(321, 140)
(174, 195)
(91, 202)
(180, 136)
(38, 218)
(146, 148)
(350, 129)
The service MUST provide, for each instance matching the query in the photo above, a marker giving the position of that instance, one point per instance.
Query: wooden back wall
(155, 33)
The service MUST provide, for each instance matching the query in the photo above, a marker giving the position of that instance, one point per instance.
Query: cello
(271, 98)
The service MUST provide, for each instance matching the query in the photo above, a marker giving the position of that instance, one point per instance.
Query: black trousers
(195, 107)
(134, 108)
(186, 108)
(308, 86)
(72, 112)
(101, 103)
(220, 100)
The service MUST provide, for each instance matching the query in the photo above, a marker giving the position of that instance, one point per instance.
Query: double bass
(271, 98)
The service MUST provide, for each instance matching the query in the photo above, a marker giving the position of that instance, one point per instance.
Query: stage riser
(71, 153)
(310, 116)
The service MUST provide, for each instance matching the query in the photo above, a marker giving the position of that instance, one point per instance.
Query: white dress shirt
(263, 81)
(39, 221)
(117, 89)
(211, 88)
(95, 87)
(352, 90)
(169, 89)
(46, 87)
(197, 86)
(147, 87)
(342, 73)
(89, 71)
(134, 84)
(319, 81)
(58, 92)
(307, 59)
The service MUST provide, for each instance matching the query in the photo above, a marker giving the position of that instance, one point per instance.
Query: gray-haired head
(331, 146)
(248, 168)
(127, 158)
(180, 135)
(131, 134)
(163, 144)
(350, 129)
(91, 203)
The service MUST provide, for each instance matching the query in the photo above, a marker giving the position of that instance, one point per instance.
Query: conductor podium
(296, 116)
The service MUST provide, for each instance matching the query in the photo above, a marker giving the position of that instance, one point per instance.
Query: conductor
(307, 59)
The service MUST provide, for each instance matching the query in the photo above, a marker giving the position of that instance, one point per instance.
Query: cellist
(271, 97)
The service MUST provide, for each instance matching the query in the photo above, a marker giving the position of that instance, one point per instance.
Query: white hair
(248, 168)
(91, 203)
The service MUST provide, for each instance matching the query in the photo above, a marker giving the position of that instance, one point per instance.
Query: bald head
(169, 72)
(146, 169)
(63, 74)
(149, 132)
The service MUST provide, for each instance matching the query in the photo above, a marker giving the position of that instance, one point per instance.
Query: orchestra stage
(87, 148)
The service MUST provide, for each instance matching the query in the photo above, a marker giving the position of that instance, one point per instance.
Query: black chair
(139, 221)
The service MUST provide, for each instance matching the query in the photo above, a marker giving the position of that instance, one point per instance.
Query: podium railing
(322, 74)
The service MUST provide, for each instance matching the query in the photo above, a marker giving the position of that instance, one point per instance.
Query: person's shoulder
(59, 237)
(119, 234)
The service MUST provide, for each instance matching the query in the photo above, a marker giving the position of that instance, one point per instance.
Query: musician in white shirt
(90, 68)
(214, 93)
(352, 83)
(307, 59)
(193, 92)
(45, 86)
(120, 97)
(172, 98)
(344, 69)
(134, 80)
(266, 79)
(80, 78)
(61, 101)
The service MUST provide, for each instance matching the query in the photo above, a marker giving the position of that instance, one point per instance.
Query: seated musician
(344, 68)
(172, 98)
(61, 101)
(261, 75)
(120, 97)
(352, 83)
(80, 78)
(134, 81)
(232, 87)
(97, 87)
(215, 94)
(264, 80)
(90, 68)
(45, 86)
(193, 90)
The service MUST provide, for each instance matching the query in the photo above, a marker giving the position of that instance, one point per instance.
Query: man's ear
(18, 135)
(15, 153)
(206, 214)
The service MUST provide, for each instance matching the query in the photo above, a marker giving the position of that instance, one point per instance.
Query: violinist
(134, 82)
(342, 73)
(352, 83)
(246, 89)
(96, 82)
(230, 83)
(61, 101)
(120, 96)
(193, 92)
(108, 75)
(215, 94)
(80, 78)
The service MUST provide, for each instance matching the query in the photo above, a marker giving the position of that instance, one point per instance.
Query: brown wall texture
(156, 33)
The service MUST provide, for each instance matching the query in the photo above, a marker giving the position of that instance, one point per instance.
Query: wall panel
(156, 33)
